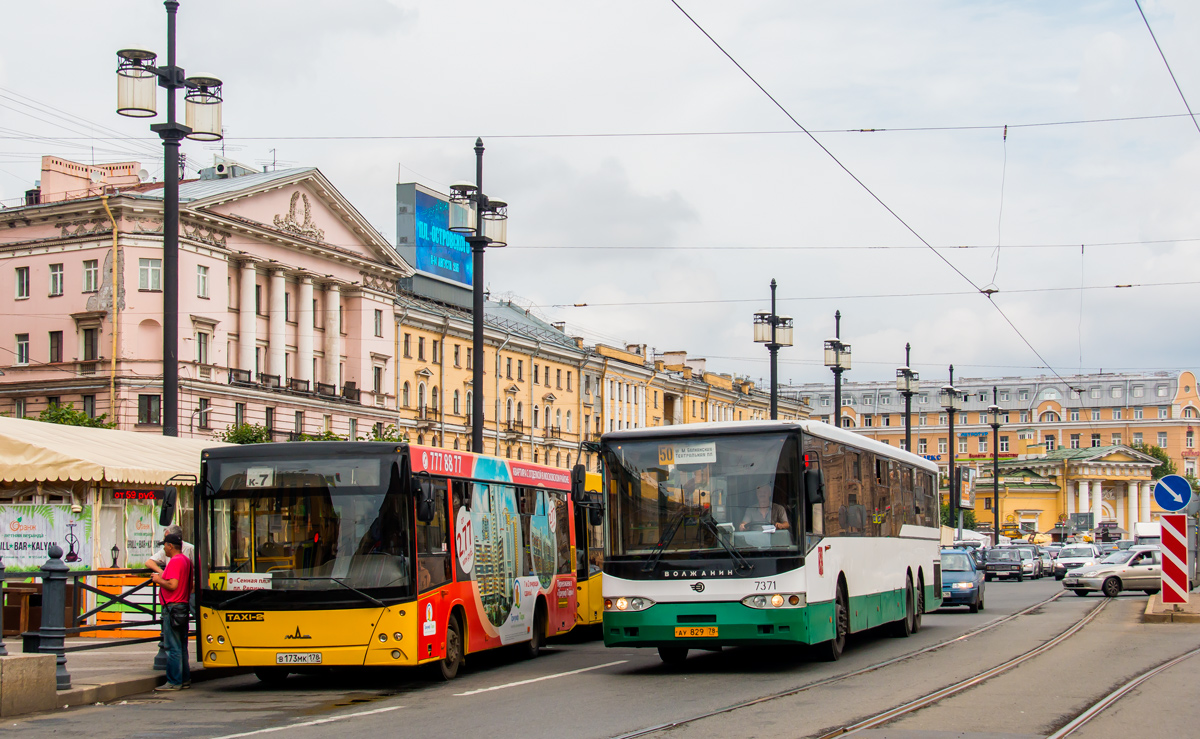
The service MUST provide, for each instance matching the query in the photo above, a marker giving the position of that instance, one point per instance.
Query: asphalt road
(580, 688)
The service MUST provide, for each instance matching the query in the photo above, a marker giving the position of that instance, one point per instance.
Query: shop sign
(28, 531)
(140, 522)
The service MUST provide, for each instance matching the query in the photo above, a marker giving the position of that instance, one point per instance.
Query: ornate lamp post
(486, 221)
(949, 400)
(837, 358)
(907, 382)
(137, 78)
(774, 331)
(994, 414)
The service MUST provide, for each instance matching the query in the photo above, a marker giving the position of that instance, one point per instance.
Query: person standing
(175, 586)
(158, 560)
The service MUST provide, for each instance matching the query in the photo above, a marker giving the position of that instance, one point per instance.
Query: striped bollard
(1174, 558)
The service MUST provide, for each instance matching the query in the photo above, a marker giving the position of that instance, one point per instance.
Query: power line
(989, 293)
(859, 247)
(1167, 65)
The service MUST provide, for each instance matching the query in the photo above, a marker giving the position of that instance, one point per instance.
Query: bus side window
(433, 544)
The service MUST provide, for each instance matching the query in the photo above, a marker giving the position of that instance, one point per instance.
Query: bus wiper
(339, 581)
(742, 563)
(661, 547)
(221, 606)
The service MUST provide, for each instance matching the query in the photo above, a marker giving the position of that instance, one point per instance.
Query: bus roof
(816, 428)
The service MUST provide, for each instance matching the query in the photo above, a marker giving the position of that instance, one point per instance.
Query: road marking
(316, 722)
(543, 677)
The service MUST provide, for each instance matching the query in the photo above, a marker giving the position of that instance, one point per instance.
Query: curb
(106, 692)
(1154, 616)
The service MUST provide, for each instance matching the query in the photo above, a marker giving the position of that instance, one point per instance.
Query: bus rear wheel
(537, 635)
(904, 627)
(449, 665)
(831, 651)
(673, 655)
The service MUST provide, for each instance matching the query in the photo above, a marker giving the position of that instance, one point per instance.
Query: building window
(353, 434)
(91, 275)
(456, 364)
(557, 379)
(56, 341)
(18, 407)
(983, 443)
(56, 280)
(201, 281)
(922, 419)
(1004, 397)
(201, 348)
(1115, 391)
(1161, 391)
(868, 421)
(1003, 443)
(962, 418)
(89, 405)
(1138, 391)
(1095, 414)
(327, 423)
(1189, 440)
(203, 412)
(315, 314)
(922, 446)
(987, 504)
(923, 398)
(287, 306)
(299, 422)
(1117, 414)
(1137, 414)
(149, 409)
(150, 274)
(22, 348)
(941, 419)
(1137, 438)
(408, 346)
(824, 401)
(379, 430)
(404, 395)
(508, 367)
(436, 350)
(22, 283)
(1024, 395)
(377, 379)
(941, 446)
(1116, 439)
(568, 380)
(1164, 412)
(239, 414)
(520, 369)
(270, 418)
(456, 405)
(378, 322)
(536, 373)
(1162, 439)
(1074, 441)
(1075, 414)
(1024, 417)
(469, 359)
(1049, 443)
(420, 348)
(962, 445)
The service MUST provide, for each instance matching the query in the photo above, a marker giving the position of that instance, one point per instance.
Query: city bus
(589, 540)
(764, 533)
(325, 554)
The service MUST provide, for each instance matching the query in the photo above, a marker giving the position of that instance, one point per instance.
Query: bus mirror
(167, 514)
(578, 480)
(596, 516)
(814, 485)
(423, 486)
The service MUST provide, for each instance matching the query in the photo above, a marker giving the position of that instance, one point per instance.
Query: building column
(1144, 511)
(1097, 509)
(1081, 487)
(1131, 499)
(247, 318)
(1119, 507)
(304, 331)
(333, 336)
(1070, 488)
(276, 332)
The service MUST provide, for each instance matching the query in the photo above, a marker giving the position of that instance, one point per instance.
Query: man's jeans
(175, 642)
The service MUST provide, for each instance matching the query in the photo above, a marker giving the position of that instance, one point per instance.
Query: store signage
(137, 495)
(28, 531)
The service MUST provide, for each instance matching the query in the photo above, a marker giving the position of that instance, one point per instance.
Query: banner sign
(140, 522)
(28, 531)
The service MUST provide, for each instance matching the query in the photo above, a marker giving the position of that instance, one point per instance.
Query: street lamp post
(994, 412)
(774, 331)
(837, 358)
(907, 382)
(949, 401)
(137, 78)
(486, 221)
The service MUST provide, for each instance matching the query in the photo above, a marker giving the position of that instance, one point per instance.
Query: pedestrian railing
(51, 635)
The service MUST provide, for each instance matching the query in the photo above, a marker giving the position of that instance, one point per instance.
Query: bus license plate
(297, 658)
(689, 632)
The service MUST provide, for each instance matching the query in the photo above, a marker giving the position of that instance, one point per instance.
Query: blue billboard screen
(440, 251)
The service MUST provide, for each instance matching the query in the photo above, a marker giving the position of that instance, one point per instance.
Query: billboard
(423, 235)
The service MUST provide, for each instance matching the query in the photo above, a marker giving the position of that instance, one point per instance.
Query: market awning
(31, 451)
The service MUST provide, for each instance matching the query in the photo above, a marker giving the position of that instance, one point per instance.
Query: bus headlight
(778, 600)
(220, 640)
(627, 604)
(209, 638)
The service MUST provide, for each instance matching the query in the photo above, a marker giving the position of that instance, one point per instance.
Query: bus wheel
(920, 605)
(831, 651)
(673, 655)
(448, 666)
(537, 636)
(903, 628)
(272, 676)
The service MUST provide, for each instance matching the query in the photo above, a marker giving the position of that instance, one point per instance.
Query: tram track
(856, 673)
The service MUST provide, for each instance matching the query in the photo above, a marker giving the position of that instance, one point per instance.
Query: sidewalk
(102, 675)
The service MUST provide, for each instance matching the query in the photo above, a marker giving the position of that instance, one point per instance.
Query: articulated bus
(764, 533)
(375, 553)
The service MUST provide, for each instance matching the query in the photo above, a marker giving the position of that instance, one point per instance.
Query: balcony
(351, 393)
(298, 386)
(204, 372)
(553, 432)
(240, 377)
(269, 381)
(514, 428)
(87, 368)
(327, 390)
(426, 417)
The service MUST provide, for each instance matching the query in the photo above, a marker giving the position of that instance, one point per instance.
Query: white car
(1074, 556)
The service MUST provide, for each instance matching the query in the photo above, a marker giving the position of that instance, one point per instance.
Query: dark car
(962, 582)
(1003, 563)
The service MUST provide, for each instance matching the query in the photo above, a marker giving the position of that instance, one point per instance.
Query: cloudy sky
(650, 179)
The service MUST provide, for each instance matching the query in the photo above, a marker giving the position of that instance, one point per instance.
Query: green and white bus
(764, 533)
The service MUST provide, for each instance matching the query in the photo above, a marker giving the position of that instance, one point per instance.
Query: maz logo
(297, 635)
(698, 587)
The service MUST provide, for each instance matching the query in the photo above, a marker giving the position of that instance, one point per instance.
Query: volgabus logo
(17, 526)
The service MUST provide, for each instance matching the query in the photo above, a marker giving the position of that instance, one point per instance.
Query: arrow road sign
(1172, 493)
(1174, 558)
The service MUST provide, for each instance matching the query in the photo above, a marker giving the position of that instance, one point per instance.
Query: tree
(68, 416)
(323, 436)
(968, 518)
(247, 433)
(390, 433)
(1165, 466)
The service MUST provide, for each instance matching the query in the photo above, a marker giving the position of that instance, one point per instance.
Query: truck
(1147, 533)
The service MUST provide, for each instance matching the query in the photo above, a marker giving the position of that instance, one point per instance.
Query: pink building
(286, 302)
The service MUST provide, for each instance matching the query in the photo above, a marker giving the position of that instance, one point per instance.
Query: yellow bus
(589, 543)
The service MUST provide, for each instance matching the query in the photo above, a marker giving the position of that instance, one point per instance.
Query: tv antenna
(223, 147)
(274, 161)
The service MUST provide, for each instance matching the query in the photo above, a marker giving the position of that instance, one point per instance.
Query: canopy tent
(32, 451)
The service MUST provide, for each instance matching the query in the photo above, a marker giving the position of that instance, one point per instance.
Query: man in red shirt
(175, 586)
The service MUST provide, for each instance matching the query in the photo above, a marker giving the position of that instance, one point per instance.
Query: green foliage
(968, 518)
(390, 433)
(323, 436)
(66, 415)
(1165, 467)
(247, 433)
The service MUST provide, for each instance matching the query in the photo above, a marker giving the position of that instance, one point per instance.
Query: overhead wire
(1167, 65)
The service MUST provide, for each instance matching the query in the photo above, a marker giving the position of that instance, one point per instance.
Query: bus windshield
(337, 524)
(712, 495)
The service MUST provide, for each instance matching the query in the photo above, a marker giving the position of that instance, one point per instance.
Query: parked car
(1004, 563)
(1136, 568)
(962, 581)
(1073, 556)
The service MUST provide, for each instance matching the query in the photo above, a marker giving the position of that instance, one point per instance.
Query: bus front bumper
(734, 623)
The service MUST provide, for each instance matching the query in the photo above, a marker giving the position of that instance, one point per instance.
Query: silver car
(1136, 568)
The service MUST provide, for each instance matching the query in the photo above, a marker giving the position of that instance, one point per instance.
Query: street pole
(478, 242)
(950, 446)
(908, 402)
(995, 466)
(773, 349)
(837, 372)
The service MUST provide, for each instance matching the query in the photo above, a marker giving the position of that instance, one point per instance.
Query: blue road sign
(1172, 493)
